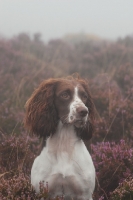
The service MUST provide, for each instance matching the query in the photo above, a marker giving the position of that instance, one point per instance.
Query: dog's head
(67, 100)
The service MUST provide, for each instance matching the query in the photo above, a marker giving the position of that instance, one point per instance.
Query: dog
(61, 111)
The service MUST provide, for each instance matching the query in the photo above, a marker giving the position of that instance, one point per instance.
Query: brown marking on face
(82, 94)
(63, 97)
(51, 102)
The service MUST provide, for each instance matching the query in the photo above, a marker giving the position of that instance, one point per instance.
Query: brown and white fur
(61, 111)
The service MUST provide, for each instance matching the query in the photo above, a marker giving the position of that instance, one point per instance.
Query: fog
(56, 18)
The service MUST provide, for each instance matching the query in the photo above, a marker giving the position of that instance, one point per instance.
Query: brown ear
(41, 117)
(87, 131)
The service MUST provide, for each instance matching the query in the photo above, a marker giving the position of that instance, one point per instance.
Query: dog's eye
(65, 95)
(84, 97)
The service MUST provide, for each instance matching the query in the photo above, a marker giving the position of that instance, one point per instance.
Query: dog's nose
(82, 111)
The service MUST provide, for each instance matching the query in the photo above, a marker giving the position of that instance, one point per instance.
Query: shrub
(114, 110)
(113, 163)
(17, 153)
(10, 118)
(19, 188)
(124, 191)
(25, 62)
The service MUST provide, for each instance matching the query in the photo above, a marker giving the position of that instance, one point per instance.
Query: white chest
(66, 165)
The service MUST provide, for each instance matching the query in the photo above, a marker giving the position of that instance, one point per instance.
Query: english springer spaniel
(61, 111)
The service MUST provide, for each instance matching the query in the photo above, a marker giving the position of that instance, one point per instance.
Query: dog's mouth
(79, 123)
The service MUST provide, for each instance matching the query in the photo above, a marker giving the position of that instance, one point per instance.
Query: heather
(24, 63)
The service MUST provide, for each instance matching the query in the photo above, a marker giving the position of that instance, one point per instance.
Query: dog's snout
(82, 111)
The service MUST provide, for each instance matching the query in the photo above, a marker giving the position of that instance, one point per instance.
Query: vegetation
(24, 63)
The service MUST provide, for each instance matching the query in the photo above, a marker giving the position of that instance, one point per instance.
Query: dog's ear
(87, 131)
(41, 116)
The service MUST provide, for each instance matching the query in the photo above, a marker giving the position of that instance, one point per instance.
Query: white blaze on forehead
(76, 94)
(77, 102)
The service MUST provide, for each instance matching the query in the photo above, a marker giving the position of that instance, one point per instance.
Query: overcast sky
(55, 18)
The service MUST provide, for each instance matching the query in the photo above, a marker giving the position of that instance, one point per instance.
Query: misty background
(57, 18)
(41, 39)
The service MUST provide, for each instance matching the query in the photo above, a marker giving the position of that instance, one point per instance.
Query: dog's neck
(63, 140)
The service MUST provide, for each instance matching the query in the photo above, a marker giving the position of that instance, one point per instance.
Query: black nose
(82, 111)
